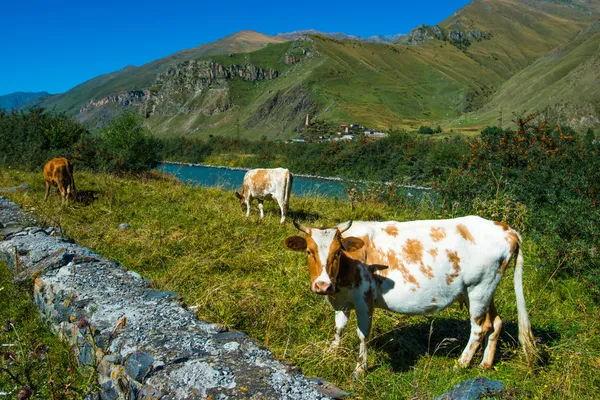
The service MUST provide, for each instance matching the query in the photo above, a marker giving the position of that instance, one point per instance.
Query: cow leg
(492, 341)
(364, 313)
(480, 326)
(341, 320)
(248, 201)
(282, 206)
(47, 190)
(260, 208)
(63, 192)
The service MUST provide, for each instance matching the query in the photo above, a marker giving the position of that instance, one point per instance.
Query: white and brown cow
(267, 184)
(417, 267)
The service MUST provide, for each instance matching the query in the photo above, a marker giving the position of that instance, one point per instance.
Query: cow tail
(526, 338)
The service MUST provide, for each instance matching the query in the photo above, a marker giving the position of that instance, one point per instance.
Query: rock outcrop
(132, 98)
(190, 87)
(199, 87)
(458, 38)
(144, 343)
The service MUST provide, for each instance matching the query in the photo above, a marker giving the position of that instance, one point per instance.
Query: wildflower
(24, 393)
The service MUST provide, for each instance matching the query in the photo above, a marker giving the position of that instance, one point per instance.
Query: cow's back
(261, 182)
(56, 168)
(417, 258)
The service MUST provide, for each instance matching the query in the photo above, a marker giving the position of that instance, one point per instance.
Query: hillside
(521, 31)
(138, 78)
(17, 99)
(433, 75)
(562, 86)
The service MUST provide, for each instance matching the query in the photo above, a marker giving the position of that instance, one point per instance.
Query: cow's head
(324, 249)
(240, 195)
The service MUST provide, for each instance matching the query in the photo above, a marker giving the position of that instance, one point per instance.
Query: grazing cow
(417, 267)
(266, 184)
(59, 172)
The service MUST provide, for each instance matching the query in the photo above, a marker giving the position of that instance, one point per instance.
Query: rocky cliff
(458, 38)
(199, 87)
(190, 87)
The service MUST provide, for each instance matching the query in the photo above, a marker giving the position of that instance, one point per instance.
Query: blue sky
(55, 45)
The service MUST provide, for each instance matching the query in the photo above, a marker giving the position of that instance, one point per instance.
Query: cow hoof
(485, 365)
(359, 371)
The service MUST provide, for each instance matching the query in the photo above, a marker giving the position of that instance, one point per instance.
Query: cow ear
(238, 195)
(296, 243)
(352, 244)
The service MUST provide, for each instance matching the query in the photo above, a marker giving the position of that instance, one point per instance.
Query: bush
(29, 139)
(127, 146)
(550, 177)
(426, 130)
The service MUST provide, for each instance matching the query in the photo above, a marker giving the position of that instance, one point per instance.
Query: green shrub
(426, 130)
(29, 139)
(127, 146)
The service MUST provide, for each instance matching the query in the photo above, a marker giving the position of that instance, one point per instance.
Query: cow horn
(345, 227)
(301, 228)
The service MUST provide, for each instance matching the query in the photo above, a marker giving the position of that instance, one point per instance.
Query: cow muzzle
(323, 288)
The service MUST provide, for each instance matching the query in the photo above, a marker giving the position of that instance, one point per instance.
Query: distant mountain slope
(340, 36)
(138, 78)
(256, 85)
(378, 85)
(564, 85)
(506, 36)
(17, 99)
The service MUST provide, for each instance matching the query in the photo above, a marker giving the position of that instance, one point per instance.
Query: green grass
(566, 76)
(197, 242)
(31, 354)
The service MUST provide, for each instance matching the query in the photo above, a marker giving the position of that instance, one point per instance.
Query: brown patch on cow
(349, 273)
(391, 230)
(504, 225)
(514, 242)
(314, 261)
(437, 234)
(260, 180)
(413, 251)
(455, 260)
(486, 320)
(434, 300)
(465, 233)
(395, 263)
(427, 271)
(434, 253)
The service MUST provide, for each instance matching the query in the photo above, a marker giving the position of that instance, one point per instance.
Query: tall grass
(197, 241)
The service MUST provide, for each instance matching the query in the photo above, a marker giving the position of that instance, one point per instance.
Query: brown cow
(59, 172)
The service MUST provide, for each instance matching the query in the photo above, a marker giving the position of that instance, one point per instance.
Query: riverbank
(196, 242)
(308, 176)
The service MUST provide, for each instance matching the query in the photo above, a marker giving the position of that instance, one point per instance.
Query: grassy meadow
(32, 358)
(197, 242)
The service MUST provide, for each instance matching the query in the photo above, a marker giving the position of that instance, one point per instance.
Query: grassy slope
(569, 74)
(521, 31)
(396, 86)
(136, 78)
(375, 84)
(26, 334)
(197, 242)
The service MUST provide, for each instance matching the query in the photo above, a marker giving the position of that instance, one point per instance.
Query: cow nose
(323, 287)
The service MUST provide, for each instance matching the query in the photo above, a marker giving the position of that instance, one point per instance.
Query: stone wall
(145, 343)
